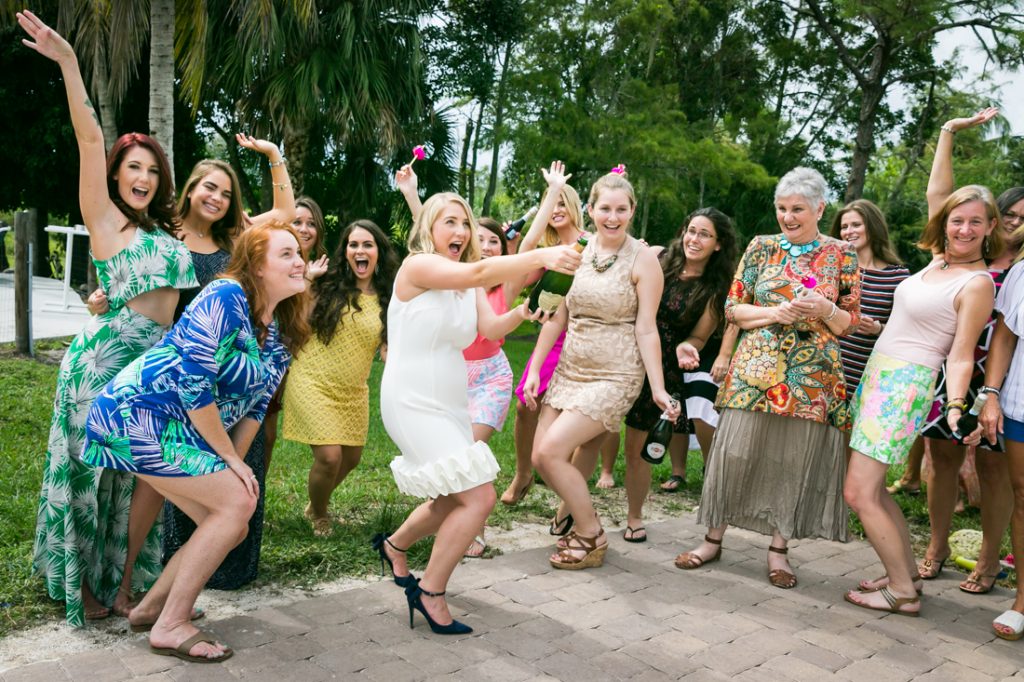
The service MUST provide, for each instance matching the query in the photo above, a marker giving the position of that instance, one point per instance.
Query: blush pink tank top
(923, 321)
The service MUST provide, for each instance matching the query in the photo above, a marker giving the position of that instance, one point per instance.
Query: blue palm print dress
(140, 422)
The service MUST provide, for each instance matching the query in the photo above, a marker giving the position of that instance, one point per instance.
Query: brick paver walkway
(637, 617)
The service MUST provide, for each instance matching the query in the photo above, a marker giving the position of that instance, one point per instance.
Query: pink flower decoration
(809, 282)
(620, 169)
(419, 153)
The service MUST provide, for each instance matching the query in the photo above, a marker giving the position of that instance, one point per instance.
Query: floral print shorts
(490, 390)
(889, 407)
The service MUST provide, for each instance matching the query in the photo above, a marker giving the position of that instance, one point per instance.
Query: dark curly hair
(713, 285)
(338, 291)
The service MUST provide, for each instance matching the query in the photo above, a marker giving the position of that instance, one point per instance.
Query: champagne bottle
(658, 439)
(516, 226)
(969, 421)
(552, 287)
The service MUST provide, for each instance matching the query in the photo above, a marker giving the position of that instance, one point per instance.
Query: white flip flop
(1013, 620)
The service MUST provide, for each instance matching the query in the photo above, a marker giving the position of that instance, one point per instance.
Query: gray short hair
(805, 182)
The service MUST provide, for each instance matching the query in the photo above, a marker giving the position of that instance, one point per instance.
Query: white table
(71, 232)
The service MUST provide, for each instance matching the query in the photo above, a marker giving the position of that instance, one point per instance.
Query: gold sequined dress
(600, 372)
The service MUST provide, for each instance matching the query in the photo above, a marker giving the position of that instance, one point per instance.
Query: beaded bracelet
(947, 129)
(954, 405)
(282, 162)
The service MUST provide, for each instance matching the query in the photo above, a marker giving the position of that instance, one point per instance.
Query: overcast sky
(1011, 84)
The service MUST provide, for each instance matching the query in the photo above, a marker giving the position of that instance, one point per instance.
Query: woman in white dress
(438, 306)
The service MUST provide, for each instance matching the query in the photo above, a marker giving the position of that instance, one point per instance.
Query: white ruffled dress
(423, 396)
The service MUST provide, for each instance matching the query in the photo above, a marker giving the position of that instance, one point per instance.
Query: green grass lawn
(368, 500)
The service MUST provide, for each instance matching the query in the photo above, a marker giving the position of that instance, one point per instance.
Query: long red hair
(161, 212)
(249, 255)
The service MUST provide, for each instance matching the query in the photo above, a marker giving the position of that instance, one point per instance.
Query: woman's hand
(406, 180)
(811, 304)
(48, 42)
(786, 313)
(869, 325)
(991, 419)
(317, 268)
(530, 388)
(981, 118)
(555, 176)
(720, 368)
(688, 356)
(262, 146)
(540, 316)
(97, 302)
(667, 403)
(561, 258)
(245, 475)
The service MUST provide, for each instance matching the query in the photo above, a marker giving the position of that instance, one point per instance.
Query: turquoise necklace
(797, 250)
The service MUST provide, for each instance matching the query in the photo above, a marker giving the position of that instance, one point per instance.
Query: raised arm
(408, 185)
(940, 181)
(555, 178)
(101, 216)
(425, 271)
(283, 210)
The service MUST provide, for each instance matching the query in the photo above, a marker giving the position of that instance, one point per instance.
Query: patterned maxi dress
(82, 522)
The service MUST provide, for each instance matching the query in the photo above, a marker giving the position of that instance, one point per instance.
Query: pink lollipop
(620, 169)
(809, 282)
(418, 154)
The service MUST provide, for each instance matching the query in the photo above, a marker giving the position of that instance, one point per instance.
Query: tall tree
(882, 44)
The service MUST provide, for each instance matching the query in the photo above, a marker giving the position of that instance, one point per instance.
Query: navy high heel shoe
(413, 594)
(378, 544)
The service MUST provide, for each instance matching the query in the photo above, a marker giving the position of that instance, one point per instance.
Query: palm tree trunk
(296, 147)
(161, 76)
(499, 117)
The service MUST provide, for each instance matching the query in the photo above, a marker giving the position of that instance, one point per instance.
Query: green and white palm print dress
(82, 522)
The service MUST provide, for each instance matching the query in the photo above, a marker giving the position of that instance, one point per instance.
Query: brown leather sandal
(866, 586)
(778, 577)
(893, 603)
(929, 569)
(594, 557)
(690, 560)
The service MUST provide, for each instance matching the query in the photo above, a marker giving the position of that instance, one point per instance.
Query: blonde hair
(1018, 237)
(573, 206)
(933, 238)
(421, 236)
(612, 181)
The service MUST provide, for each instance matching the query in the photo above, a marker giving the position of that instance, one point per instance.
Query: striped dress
(877, 289)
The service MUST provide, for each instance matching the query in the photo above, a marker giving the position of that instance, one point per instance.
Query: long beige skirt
(767, 472)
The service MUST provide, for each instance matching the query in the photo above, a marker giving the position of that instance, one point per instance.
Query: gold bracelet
(274, 164)
(281, 185)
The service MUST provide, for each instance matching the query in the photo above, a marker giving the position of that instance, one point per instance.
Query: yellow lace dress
(326, 399)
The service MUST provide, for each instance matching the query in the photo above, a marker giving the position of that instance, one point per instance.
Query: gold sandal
(593, 558)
